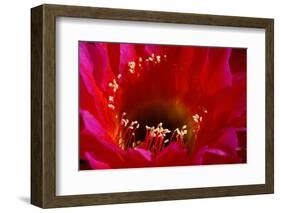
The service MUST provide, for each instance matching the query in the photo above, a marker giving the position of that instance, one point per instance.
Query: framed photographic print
(136, 106)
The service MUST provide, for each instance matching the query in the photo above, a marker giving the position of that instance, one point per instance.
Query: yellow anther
(111, 106)
(113, 85)
(158, 58)
(132, 66)
(110, 98)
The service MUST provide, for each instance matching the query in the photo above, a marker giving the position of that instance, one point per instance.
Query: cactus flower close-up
(152, 105)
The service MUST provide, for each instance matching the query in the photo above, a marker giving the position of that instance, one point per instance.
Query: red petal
(102, 151)
(95, 60)
(221, 150)
(113, 53)
(216, 73)
(173, 155)
(94, 138)
(90, 125)
(127, 53)
(96, 164)
(138, 158)
(227, 141)
(91, 98)
(230, 104)
(238, 60)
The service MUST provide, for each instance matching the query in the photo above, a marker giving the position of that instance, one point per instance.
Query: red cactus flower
(159, 105)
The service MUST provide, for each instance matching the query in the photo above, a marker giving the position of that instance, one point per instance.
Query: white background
(70, 181)
(15, 106)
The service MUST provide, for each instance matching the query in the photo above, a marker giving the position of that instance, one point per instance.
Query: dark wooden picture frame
(43, 105)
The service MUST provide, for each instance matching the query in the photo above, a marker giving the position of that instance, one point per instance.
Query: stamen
(132, 66)
(111, 106)
(197, 118)
(158, 58)
(113, 85)
(124, 122)
(154, 139)
(178, 135)
(126, 133)
(110, 98)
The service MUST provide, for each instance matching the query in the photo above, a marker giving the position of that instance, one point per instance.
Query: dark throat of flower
(157, 125)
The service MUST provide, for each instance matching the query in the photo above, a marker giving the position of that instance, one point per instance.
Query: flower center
(148, 122)
(171, 115)
(155, 125)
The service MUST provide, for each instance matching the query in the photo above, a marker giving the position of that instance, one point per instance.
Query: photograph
(154, 105)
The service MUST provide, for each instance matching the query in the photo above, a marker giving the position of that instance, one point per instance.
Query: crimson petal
(94, 163)
(95, 140)
(216, 74)
(173, 155)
